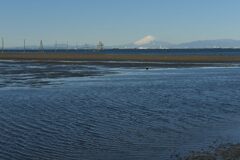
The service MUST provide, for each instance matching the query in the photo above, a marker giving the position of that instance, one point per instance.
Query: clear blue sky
(118, 21)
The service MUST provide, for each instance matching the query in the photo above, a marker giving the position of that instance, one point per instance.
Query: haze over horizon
(117, 22)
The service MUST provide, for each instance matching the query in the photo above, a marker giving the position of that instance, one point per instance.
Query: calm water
(72, 112)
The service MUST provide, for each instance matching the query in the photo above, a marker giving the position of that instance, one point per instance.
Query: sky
(117, 21)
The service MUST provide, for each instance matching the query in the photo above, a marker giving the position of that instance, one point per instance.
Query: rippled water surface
(72, 112)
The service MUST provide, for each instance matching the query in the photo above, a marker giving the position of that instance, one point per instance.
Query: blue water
(121, 113)
(145, 51)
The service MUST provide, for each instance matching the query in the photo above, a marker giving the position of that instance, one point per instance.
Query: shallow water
(50, 111)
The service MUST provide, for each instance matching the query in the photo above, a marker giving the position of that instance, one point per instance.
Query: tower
(24, 45)
(56, 45)
(2, 45)
(100, 45)
(41, 49)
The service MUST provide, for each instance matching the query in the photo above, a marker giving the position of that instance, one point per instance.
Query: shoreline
(222, 152)
(119, 57)
(127, 64)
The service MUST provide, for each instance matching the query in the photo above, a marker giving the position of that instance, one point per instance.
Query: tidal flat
(119, 110)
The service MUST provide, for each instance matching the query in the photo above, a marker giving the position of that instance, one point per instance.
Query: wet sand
(140, 65)
(224, 152)
(118, 57)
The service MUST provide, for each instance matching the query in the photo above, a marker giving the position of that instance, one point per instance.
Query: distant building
(86, 46)
(100, 46)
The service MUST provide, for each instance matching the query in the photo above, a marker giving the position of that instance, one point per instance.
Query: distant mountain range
(221, 43)
(151, 44)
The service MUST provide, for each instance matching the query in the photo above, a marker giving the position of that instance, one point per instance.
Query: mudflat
(120, 57)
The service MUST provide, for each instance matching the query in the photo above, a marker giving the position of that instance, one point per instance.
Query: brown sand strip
(117, 57)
